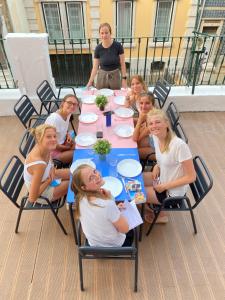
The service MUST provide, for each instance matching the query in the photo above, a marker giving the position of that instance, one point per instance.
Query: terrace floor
(41, 263)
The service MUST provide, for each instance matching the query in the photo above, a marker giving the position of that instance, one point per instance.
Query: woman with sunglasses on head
(141, 135)
(100, 217)
(39, 171)
(60, 119)
(108, 60)
(174, 169)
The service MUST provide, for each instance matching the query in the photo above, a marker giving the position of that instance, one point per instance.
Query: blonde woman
(100, 217)
(60, 119)
(174, 169)
(138, 87)
(39, 170)
(108, 60)
(141, 134)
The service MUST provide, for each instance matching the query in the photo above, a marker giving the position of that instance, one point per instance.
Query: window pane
(75, 20)
(163, 18)
(52, 19)
(124, 15)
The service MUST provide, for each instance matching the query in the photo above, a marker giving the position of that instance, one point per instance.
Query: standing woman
(174, 169)
(39, 170)
(60, 119)
(109, 56)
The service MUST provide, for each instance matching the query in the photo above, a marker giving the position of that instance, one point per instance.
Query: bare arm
(37, 187)
(93, 72)
(123, 70)
(188, 177)
(140, 130)
(121, 225)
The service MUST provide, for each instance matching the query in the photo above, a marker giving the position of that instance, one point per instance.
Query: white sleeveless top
(28, 177)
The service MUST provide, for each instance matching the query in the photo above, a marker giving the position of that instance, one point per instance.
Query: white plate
(88, 99)
(82, 161)
(124, 112)
(85, 139)
(113, 184)
(88, 117)
(105, 92)
(124, 130)
(120, 100)
(129, 168)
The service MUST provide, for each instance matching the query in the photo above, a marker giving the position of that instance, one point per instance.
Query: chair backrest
(27, 143)
(203, 182)
(46, 94)
(161, 92)
(11, 179)
(24, 109)
(172, 114)
(178, 129)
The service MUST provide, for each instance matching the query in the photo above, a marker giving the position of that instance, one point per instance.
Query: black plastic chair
(27, 113)
(199, 189)
(172, 114)
(88, 252)
(11, 184)
(161, 92)
(179, 131)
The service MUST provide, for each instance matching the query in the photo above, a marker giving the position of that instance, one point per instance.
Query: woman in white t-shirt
(174, 169)
(60, 119)
(100, 217)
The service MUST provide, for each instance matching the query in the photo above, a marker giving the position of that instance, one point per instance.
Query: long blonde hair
(140, 79)
(76, 187)
(39, 131)
(159, 113)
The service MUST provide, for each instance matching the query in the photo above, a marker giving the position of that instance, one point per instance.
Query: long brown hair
(76, 187)
(150, 97)
(140, 79)
(162, 116)
(105, 25)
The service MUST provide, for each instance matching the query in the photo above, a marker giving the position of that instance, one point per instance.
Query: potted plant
(102, 147)
(101, 101)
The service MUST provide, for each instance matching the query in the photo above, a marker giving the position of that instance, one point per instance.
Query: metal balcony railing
(190, 61)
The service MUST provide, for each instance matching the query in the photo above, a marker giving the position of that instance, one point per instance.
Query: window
(52, 20)
(163, 18)
(75, 20)
(124, 19)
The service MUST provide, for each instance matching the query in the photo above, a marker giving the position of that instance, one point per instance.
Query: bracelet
(124, 77)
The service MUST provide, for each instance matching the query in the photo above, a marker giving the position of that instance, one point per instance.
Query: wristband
(124, 77)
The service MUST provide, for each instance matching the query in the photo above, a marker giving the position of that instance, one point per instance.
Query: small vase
(102, 156)
(102, 108)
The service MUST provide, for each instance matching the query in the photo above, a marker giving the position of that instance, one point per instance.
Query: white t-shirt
(97, 222)
(170, 163)
(61, 125)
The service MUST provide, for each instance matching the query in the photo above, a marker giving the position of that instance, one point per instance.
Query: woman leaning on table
(100, 217)
(174, 169)
(60, 119)
(39, 170)
(109, 56)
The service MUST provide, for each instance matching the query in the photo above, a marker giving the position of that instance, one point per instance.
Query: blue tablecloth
(106, 168)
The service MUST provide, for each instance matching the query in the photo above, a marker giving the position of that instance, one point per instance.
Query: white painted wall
(28, 56)
(206, 98)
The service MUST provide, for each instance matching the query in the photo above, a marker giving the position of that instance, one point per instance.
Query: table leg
(73, 222)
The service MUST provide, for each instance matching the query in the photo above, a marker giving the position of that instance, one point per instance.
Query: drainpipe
(200, 18)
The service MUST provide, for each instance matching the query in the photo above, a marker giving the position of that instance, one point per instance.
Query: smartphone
(99, 134)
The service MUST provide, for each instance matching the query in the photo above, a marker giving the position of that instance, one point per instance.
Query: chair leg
(73, 223)
(18, 218)
(58, 220)
(81, 274)
(192, 216)
(141, 226)
(153, 223)
(136, 273)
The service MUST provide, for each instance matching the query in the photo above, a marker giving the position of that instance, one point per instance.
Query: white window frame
(165, 44)
(67, 3)
(64, 22)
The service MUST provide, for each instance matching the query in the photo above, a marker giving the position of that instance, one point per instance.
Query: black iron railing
(191, 61)
(6, 77)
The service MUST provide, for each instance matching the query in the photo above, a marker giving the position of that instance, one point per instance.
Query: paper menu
(131, 213)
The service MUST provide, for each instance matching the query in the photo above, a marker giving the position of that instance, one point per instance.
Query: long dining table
(121, 148)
